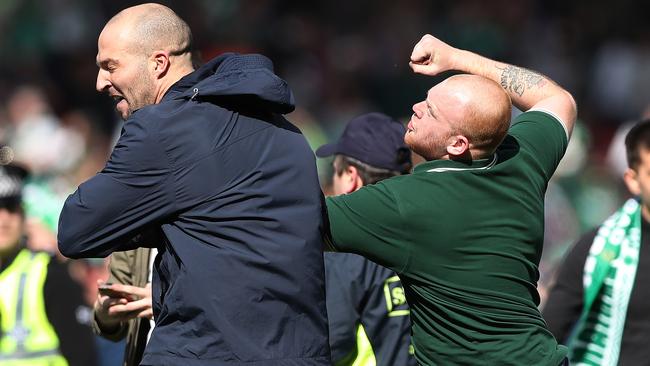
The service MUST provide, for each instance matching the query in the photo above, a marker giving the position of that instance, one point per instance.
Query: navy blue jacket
(368, 313)
(229, 188)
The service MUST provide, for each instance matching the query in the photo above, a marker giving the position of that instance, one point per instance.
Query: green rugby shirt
(466, 242)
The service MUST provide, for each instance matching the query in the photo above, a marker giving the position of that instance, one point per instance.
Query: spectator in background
(118, 318)
(599, 304)
(208, 169)
(367, 312)
(39, 302)
(464, 231)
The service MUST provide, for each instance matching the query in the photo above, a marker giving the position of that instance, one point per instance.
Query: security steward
(39, 303)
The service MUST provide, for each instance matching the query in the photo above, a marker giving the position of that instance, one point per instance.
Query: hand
(111, 311)
(432, 56)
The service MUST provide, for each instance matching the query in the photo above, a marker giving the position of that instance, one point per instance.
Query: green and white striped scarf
(609, 275)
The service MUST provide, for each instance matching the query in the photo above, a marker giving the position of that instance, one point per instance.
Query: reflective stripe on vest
(363, 354)
(28, 338)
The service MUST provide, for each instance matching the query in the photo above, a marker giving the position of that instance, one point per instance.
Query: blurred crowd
(341, 60)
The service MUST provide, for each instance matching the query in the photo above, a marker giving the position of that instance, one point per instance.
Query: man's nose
(417, 109)
(102, 81)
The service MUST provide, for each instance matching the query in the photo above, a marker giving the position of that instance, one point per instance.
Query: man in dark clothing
(599, 304)
(367, 310)
(207, 166)
(39, 301)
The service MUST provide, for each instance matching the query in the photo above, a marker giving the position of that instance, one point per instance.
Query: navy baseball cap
(374, 139)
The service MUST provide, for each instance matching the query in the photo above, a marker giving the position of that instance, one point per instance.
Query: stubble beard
(429, 149)
(143, 93)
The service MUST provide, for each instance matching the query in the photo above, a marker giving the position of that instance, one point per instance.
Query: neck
(171, 79)
(645, 212)
(478, 154)
(466, 157)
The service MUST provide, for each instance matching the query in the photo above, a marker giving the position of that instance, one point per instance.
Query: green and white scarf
(608, 277)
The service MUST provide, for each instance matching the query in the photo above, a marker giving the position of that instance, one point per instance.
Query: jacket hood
(249, 76)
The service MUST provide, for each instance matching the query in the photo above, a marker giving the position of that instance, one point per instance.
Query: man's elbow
(562, 105)
(570, 111)
(572, 106)
(72, 241)
(68, 245)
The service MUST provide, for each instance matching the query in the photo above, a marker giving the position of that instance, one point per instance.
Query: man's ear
(352, 179)
(160, 63)
(458, 145)
(631, 181)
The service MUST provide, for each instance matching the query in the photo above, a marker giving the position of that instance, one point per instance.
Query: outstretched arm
(121, 207)
(527, 89)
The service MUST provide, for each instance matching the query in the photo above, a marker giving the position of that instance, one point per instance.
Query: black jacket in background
(233, 188)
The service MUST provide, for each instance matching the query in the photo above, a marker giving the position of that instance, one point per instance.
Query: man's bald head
(483, 110)
(150, 27)
(465, 116)
(141, 53)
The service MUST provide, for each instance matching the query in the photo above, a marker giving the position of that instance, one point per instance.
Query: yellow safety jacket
(27, 337)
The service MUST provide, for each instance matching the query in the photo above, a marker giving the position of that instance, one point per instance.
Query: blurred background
(341, 59)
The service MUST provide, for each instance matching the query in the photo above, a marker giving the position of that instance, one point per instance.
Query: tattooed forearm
(518, 80)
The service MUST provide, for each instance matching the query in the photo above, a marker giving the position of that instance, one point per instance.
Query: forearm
(105, 215)
(121, 269)
(131, 194)
(527, 89)
(113, 332)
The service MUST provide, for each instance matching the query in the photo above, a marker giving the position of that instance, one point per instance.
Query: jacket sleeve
(565, 300)
(110, 211)
(63, 306)
(385, 316)
(121, 271)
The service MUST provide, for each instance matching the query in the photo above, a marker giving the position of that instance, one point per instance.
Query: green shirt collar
(444, 165)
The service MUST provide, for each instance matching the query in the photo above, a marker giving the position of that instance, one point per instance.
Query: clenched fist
(432, 56)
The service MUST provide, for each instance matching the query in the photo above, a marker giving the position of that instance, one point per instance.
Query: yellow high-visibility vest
(362, 355)
(28, 338)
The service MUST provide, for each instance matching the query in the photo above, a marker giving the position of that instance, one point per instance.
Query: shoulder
(355, 268)
(540, 120)
(344, 261)
(139, 145)
(153, 118)
(138, 128)
(544, 114)
(542, 138)
(381, 194)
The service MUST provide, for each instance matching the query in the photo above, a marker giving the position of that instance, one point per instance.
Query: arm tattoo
(518, 80)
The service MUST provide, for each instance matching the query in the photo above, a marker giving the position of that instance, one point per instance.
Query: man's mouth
(117, 98)
(121, 104)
